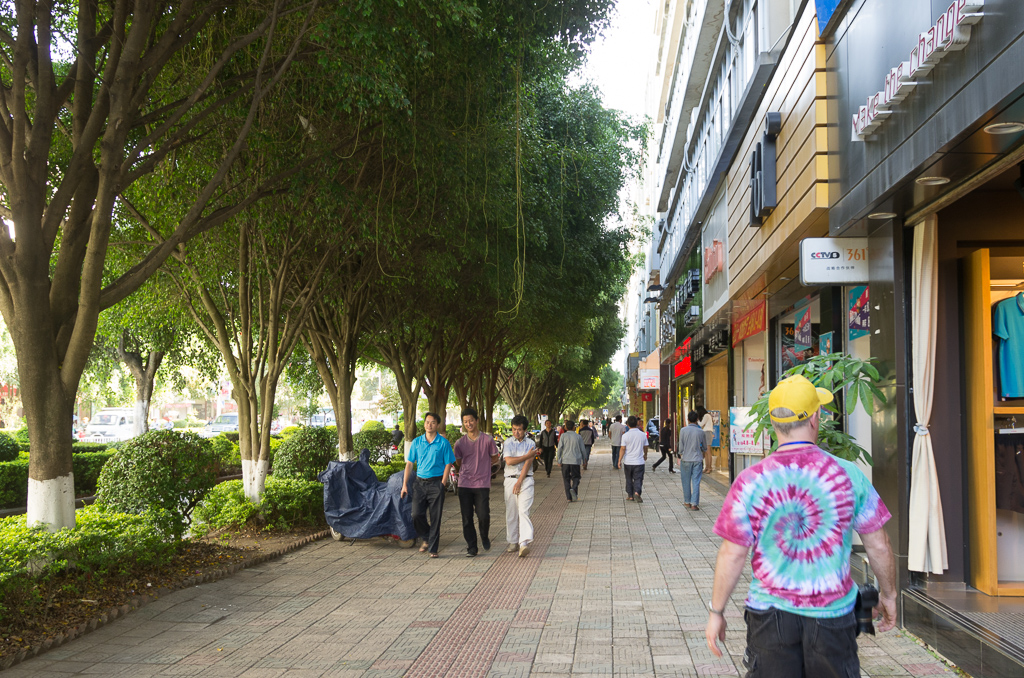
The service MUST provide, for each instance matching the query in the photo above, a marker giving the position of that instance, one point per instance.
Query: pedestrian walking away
(547, 442)
(588, 436)
(691, 448)
(432, 456)
(634, 457)
(570, 458)
(615, 432)
(707, 424)
(397, 436)
(475, 453)
(797, 510)
(666, 444)
(519, 453)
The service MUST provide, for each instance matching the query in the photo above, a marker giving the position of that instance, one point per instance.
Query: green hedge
(9, 450)
(78, 448)
(14, 477)
(385, 471)
(305, 454)
(286, 503)
(377, 441)
(102, 544)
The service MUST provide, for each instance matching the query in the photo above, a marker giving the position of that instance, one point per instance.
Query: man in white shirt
(615, 432)
(519, 454)
(634, 457)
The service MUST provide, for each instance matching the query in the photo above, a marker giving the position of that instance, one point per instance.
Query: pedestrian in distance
(666, 443)
(547, 442)
(519, 453)
(691, 460)
(707, 424)
(570, 458)
(397, 436)
(797, 510)
(634, 458)
(475, 453)
(432, 456)
(615, 431)
(588, 437)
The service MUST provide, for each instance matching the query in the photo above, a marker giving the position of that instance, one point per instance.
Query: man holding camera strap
(797, 509)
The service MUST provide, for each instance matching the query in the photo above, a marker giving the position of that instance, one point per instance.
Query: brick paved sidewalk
(610, 587)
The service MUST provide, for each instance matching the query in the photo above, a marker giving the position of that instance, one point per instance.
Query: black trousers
(547, 455)
(786, 644)
(570, 478)
(475, 499)
(665, 454)
(634, 478)
(427, 503)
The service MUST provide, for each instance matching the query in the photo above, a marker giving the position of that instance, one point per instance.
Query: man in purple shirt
(475, 452)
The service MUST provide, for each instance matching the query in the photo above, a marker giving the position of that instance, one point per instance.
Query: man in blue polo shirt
(433, 457)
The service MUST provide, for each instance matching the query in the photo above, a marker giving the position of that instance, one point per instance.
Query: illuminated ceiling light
(1005, 127)
(884, 215)
(932, 181)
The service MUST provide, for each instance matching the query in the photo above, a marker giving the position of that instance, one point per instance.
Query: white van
(225, 423)
(110, 424)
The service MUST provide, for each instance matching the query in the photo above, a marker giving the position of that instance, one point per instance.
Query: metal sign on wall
(650, 379)
(833, 261)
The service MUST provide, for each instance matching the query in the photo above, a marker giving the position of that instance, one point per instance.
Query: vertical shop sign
(859, 312)
(752, 323)
(802, 332)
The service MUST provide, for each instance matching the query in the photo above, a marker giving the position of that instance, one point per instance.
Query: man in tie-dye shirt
(797, 510)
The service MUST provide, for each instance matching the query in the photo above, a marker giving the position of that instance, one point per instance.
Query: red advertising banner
(682, 368)
(753, 322)
(647, 397)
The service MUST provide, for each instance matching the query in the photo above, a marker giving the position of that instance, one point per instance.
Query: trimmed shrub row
(14, 477)
(287, 503)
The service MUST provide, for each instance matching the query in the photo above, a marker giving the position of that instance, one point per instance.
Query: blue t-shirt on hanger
(1008, 325)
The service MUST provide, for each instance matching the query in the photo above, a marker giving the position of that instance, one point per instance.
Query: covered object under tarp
(359, 506)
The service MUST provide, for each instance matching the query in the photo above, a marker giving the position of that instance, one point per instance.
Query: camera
(864, 609)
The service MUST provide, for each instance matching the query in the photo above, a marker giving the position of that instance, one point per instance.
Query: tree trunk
(144, 372)
(51, 483)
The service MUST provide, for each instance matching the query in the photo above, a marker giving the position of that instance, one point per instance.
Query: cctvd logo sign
(824, 255)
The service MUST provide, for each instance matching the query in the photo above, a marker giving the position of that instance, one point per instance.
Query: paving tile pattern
(610, 588)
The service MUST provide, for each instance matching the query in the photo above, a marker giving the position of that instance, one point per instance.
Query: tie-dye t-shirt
(798, 508)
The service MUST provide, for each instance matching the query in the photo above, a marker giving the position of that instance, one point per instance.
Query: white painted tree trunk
(141, 424)
(51, 503)
(254, 478)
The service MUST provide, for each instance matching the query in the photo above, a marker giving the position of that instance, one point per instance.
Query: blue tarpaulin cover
(359, 506)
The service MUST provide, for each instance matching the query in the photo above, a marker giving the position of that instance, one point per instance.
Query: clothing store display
(1010, 472)
(1008, 326)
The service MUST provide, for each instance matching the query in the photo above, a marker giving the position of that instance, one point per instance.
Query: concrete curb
(139, 601)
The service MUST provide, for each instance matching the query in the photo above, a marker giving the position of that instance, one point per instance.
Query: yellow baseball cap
(799, 395)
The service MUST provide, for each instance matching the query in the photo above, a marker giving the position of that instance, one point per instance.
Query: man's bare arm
(883, 564)
(728, 568)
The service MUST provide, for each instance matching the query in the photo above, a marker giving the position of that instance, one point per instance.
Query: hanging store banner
(833, 261)
(752, 322)
(802, 333)
(859, 312)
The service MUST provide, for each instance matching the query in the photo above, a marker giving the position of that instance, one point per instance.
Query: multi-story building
(849, 177)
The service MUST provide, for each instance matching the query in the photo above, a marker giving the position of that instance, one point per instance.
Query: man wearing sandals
(475, 452)
(433, 457)
(519, 452)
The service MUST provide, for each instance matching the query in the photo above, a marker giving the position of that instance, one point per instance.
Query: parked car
(325, 417)
(222, 424)
(111, 424)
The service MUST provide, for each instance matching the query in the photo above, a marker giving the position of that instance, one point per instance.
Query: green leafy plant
(103, 543)
(305, 454)
(78, 448)
(286, 503)
(159, 470)
(372, 425)
(385, 471)
(377, 441)
(839, 374)
(9, 449)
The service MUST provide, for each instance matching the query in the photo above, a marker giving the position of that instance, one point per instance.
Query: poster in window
(825, 343)
(791, 357)
(802, 333)
(859, 312)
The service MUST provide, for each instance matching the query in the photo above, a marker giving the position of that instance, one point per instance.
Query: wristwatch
(720, 613)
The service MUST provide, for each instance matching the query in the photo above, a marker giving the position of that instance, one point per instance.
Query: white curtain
(927, 552)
